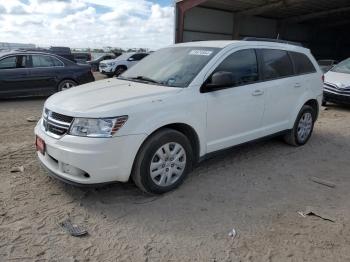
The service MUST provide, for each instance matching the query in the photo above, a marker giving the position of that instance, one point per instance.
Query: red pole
(182, 7)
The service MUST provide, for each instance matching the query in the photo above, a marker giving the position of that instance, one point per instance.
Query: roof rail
(36, 49)
(271, 40)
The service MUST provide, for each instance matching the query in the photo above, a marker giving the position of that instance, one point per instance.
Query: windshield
(173, 66)
(342, 67)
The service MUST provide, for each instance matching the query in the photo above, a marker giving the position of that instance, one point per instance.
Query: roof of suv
(226, 43)
(14, 52)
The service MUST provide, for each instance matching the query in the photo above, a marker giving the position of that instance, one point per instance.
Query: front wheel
(119, 70)
(303, 127)
(163, 162)
(66, 84)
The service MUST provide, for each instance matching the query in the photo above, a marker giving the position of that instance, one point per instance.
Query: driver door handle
(258, 92)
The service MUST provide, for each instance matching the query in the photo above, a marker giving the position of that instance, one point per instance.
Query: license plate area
(40, 145)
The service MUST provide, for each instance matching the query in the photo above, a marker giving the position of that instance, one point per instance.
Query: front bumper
(106, 70)
(82, 160)
(337, 98)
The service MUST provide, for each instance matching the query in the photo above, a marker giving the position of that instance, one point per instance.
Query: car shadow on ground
(129, 193)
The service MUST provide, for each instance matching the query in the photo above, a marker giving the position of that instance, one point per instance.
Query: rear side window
(276, 64)
(57, 62)
(243, 65)
(302, 63)
(45, 61)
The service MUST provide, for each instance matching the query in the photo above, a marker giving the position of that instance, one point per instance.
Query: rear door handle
(297, 85)
(257, 92)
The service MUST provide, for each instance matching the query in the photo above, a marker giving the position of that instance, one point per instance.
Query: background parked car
(82, 57)
(96, 62)
(337, 84)
(326, 64)
(26, 73)
(62, 51)
(120, 64)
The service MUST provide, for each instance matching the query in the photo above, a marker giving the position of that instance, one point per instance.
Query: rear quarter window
(302, 63)
(276, 64)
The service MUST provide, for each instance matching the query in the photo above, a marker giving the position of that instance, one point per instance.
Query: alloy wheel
(304, 126)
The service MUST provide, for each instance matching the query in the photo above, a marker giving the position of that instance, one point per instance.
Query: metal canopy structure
(319, 24)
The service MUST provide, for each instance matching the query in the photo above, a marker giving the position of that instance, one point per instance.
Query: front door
(14, 76)
(234, 114)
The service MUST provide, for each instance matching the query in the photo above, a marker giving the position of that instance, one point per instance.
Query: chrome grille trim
(53, 125)
(332, 88)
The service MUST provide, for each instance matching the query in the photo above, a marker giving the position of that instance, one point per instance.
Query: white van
(176, 106)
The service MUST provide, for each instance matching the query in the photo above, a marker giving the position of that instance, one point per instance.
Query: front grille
(62, 118)
(54, 124)
(103, 65)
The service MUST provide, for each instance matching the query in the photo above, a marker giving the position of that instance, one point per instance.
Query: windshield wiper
(145, 78)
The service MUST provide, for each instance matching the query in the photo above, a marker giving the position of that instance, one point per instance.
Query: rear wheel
(66, 84)
(163, 162)
(303, 127)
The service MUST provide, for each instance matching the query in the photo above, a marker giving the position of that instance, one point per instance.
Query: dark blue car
(26, 73)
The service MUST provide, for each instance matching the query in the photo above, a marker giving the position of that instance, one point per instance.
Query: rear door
(44, 72)
(14, 76)
(283, 90)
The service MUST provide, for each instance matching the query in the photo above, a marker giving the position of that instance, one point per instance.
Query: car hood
(339, 79)
(106, 98)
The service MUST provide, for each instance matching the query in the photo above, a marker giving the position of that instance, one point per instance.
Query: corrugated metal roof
(285, 9)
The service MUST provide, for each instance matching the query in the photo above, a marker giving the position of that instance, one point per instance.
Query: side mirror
(219, 80)
(131, 59)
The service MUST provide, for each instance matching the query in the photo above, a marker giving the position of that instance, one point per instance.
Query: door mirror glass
(219, 80)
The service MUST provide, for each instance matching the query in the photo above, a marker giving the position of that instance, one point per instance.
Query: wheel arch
(305, 100)
(65, 79)
(314, 104)
(121, 65)
(185, 129)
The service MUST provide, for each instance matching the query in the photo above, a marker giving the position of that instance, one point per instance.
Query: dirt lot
(256, 189)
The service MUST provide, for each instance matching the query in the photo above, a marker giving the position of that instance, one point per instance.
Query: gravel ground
(256, 189)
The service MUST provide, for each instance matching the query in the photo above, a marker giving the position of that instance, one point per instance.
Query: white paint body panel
(221, 119)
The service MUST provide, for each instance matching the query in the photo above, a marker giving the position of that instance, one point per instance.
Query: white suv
(179, 104)
(120, 64)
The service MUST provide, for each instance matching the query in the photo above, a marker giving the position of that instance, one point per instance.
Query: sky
(88, 23)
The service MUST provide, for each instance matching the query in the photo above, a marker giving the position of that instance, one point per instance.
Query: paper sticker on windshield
(201, 52)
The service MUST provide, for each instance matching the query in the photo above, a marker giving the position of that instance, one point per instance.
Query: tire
(119, 70)
(167, 174)
(303, 127)
(94, 67)
(66, 84)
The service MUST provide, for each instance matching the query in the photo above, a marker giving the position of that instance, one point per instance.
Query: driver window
(243, 65)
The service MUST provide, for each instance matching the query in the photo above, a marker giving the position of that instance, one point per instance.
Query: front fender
(161, 113)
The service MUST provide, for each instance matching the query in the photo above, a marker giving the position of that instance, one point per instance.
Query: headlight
(97, 127)
(111, 64)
